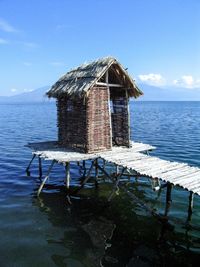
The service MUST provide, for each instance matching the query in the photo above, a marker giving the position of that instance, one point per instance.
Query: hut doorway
(119, 117)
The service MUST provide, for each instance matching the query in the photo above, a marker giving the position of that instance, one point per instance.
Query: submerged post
(46, 177)
(96, 173)
(67, 170)
(190, 206)
(40, 167)
(168, 198)
(84, 169)
(29, 165)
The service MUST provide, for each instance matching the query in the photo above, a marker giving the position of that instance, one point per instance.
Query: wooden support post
(109, 108)
(88, 174)
(117, 170)
(84, 169)
(67, 170)
(86, 178)
(115, 189)
(104, 164)
(168, 198)
(40, 167)
(29, 165)
(128, 113)
(106, 174)
(190, 206)
(46, 177)
(96, 173)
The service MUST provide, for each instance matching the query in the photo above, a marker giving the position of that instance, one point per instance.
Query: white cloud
(152, 79)
(6, 27)
(13, 90)
(187, 81)
(3, 41)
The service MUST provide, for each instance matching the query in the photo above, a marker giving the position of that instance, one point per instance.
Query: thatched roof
(77, 82)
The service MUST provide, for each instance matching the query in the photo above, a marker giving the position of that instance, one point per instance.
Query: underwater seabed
(120, 232)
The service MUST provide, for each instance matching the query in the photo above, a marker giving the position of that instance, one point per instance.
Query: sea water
(47, 231)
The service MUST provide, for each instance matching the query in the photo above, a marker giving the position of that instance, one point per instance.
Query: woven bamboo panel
(98, 120)
(85, 125)
(71, 123)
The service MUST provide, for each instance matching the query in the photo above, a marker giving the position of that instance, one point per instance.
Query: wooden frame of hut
(93, 106)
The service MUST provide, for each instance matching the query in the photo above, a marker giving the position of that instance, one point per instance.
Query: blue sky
(158, 40)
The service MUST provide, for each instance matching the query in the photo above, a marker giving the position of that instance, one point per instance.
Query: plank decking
(179, 174)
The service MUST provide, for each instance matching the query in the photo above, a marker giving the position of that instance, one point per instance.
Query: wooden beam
(46, 177)
(88, 175)
(128, 113)
(109, 109)
(168, 198)
(190, 207)
(40, 167)
(109, 84)
(96, 173)
(29, 165)
(67, 170)
(107, 77)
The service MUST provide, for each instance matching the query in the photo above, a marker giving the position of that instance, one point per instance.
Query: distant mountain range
(37, 95)
(151, 93)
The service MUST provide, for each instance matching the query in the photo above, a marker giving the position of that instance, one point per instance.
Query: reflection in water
(85, 237)
(120, 233)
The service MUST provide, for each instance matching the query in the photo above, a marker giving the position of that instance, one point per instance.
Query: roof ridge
(79, 80)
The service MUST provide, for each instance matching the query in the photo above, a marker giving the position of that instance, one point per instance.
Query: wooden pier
(133, 158)
(135, 161)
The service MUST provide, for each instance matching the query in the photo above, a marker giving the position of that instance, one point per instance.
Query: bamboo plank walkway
(178, 174)
(51, 151)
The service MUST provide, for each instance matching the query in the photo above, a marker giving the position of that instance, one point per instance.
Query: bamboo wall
(71, 123)
(98, 120)
(87, 125)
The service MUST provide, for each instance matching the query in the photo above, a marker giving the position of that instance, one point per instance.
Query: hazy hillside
(151, 93)
(37, 95)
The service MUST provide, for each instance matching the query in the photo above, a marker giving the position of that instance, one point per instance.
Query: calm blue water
(91, 232)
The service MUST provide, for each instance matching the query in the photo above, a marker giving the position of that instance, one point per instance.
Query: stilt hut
(93, 106)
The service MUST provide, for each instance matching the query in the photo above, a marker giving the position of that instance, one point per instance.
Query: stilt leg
(67, 169)
(102, 169)
(168, 198)
(29, 165)
(84, 169)
(40, 167)
(190, 207)
(117, 170)
(88, 174)
(96, 173)
(86, 178)
(116, 188)
(46, 177)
